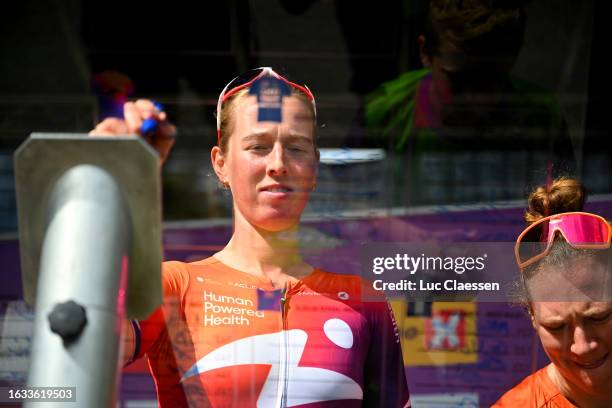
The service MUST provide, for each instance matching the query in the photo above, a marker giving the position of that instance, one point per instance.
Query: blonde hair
(565, 194)
(228, 111)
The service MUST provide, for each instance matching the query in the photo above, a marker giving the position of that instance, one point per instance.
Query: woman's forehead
(293, 113)
(579, 280)
(561, 309)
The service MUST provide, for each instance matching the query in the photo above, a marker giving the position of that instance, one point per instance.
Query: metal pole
(84, 258)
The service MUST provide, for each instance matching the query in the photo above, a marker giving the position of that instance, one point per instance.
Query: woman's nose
(276, 162)
(583, 342)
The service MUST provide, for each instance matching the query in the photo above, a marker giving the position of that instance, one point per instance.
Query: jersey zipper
(284, 352)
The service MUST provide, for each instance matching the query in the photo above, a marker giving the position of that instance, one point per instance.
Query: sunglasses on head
(247, 79)
(580, 229)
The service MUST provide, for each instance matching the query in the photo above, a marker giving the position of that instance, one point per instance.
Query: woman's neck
(272, 255)
(575, 394)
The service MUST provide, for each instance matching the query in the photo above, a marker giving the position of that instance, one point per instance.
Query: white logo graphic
(445, 331)
(339, 333)
(305, 385)
(343, 295)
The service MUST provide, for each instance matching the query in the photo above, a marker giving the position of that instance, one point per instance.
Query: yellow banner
(438, 333)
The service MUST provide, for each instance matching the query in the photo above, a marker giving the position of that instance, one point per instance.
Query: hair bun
(565, 194)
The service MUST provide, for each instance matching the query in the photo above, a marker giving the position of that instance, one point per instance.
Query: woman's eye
(257, 147)
(600, 318)
(554, 327)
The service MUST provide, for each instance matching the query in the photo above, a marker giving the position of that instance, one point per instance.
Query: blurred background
(400, 157)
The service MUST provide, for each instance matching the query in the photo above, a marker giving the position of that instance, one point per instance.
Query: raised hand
(162, 138)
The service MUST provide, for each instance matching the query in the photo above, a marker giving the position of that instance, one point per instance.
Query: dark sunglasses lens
(534, 242)
(243, 78)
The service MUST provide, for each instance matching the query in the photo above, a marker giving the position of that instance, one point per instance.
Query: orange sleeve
(175, 280)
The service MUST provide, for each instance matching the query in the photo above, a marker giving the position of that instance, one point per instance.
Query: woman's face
(271, 167)
(577, 334)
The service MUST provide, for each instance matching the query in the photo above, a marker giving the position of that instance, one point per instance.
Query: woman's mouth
(278, 190)
(590, 365)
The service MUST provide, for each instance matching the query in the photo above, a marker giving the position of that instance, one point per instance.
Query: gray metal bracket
(40, 162)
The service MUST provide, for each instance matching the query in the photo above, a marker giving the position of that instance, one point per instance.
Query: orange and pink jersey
(225, 338)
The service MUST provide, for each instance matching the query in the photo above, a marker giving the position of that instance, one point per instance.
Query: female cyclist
(255, 325)
(564, 259)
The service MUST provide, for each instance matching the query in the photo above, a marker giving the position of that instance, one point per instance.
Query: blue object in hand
(148, 126)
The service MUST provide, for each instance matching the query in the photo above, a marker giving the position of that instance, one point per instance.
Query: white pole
(84, 252)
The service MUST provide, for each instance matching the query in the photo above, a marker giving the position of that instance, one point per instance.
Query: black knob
(67, 320)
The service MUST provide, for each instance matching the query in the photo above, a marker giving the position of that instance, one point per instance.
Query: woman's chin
(592, 379)
(596, 380)
(273, 218)
(277, 221)
(278, 225)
